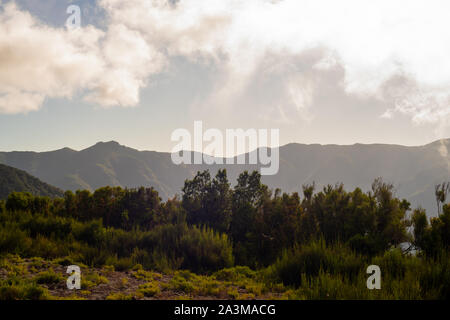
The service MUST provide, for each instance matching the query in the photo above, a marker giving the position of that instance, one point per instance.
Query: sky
(323, 71)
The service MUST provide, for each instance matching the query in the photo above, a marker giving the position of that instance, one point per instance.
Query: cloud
(424, 104)
(14, 101)
(374, 42)
(128, 60)
(392, 50)
(38, 62)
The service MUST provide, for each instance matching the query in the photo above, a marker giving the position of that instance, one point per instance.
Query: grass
(37, 278)
(92, 280)
(48, 277)
(119, 296)
(403, 277)
(149, 289)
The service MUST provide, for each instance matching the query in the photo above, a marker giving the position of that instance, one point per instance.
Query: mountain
(414, 171)
(106, 163)
(12, 179)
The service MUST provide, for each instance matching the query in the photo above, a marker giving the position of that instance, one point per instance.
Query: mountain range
(414, 171)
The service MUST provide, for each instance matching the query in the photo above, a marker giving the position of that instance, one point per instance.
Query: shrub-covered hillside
(12, 179)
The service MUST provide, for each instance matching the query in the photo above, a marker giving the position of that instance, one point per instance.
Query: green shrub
(149, 289)
(46, 248)
(434, 278)
(19, 201)
(13, 240)
(205, 250)
(22, 291)
(48, 277)
(181, 247)
(235, 274)
(64, 261)
(119, 296)
(123, 264)
(311, 259)
(92, 279)
(392, 263)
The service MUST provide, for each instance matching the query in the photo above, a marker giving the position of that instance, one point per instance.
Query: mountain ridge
(116, 143)
(414, 170)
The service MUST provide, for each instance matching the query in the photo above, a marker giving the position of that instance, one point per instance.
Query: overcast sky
(322, 71)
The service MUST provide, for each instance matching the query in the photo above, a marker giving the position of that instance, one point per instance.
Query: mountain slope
(12, 179)
(100, 165)
(413, 170)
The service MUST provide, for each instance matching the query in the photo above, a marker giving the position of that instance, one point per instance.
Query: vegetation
(217, 241)
(12, 179)
(109, 163)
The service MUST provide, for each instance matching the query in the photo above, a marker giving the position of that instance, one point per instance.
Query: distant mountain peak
(62, 150)
(109, 145)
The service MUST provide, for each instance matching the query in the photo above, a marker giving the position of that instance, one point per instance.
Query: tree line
(260, 222)
(213, 225)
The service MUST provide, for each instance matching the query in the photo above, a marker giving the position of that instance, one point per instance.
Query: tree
(248, 196)
(440, 191)
(208, 202)
(390, 215)
(194, 196)
(70, 204)
(84, 204)
(142, 205)
(19, 201)
(421, 228)
(218, 202)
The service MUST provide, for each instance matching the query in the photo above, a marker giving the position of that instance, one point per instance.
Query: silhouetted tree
(440, 191)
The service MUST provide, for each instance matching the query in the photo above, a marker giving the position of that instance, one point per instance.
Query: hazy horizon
(281, 145)
(136, 71)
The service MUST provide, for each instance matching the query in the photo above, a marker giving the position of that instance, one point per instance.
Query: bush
(122, 264)
(205, 250)
(46, 248)
(235, 274)
(14, 240)
(56, 227)
(91, 232)
(197, 249)
(92, 279)
(311, 259)
(149, 289)
(48, 277)
(119, 296)
(19, 201)
(22, 291)
(64, 261)
(392, 263)
(364, 245)
(434, 278)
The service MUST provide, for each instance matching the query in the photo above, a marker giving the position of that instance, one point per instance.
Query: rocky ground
(107, 283)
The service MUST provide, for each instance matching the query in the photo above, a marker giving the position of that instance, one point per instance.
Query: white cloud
(37, 61)
(423, 103)
(373, 41)
(129, 61)
(13, 101)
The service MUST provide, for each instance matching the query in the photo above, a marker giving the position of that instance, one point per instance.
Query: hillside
(12, 179)
(413, 170)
